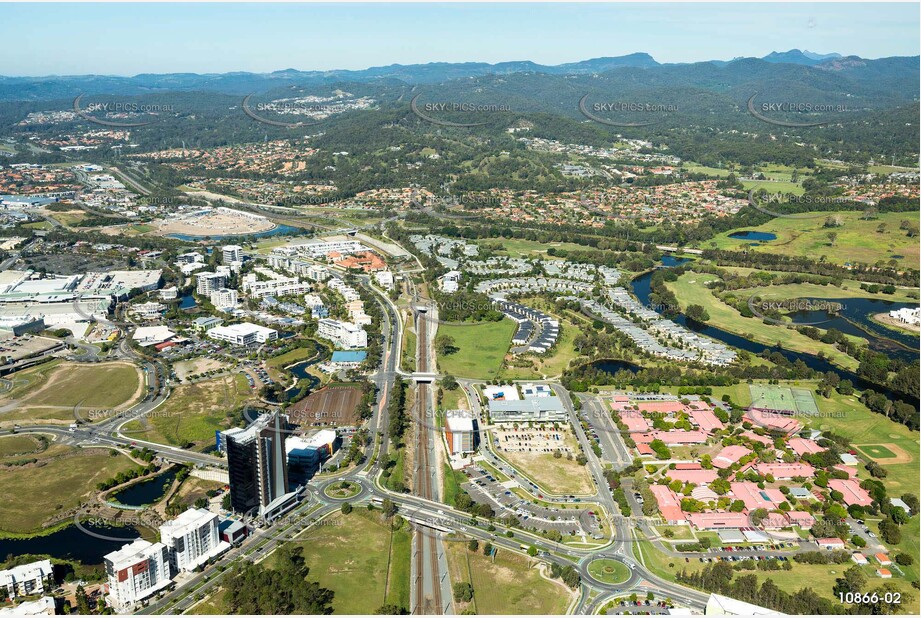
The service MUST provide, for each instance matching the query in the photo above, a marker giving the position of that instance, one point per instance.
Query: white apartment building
(275, 287)
(243, 334)
(224, 298)
(209, 282)
(384, 279)
(170, 293)
(345, 334)
(321, 249)
(27, 579)
(192, 539)
(136, 571)
(231, 253)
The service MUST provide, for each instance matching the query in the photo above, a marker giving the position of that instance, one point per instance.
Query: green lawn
(18, 445)
(773, 186)
(408, 359)
(696, 168)
(691, 288)
(452, 484)
(480, 350)
(857, 240)
(67, 478)
(609, 571)
(354, 556)
(517, 247)
(812, 290)
(507, 583)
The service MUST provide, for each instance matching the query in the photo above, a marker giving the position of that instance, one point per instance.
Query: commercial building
(136, 571)
(536, 409)
(344, 334)
(43, 606)
(278, 286)
(348, 359)
(244, 333)
(192, 539)
(205, 283)
(27, 579)
(257, 463)
(305, 454)
(460, 431)
(231, 253)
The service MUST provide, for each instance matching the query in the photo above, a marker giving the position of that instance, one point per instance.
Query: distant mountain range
(59, 87)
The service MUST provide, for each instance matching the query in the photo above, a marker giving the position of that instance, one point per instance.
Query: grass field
(505, 584)
(408, 350)
(480, 348)
(355, 557)
(609, 571)
(18, 445)
(857, 240)
(193, 412)
(51, 391)
(556, 476)
(691, 288)
(850, 289)
(876, 451)
(67, 477)
(517, 247)
(452, 484)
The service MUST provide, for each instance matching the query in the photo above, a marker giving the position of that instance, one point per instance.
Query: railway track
(428, 599)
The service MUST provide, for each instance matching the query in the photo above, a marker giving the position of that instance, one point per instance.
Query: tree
(449, 383)
(346, 508)
(532, 551)
(225, 501)
(388, 507)
(390, 610)
(697, 313)
(832, 236)
(487, 549)
(83, 601)
(473, 545)
(463, 592)
(445, 345)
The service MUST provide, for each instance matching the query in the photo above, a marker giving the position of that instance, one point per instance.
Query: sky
(127, 39)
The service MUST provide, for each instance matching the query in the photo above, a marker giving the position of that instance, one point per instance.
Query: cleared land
(193, 412)
(62, 478)
(857, 240)
(52, 390)
(507, 584)
(196, 366)
(332, 405)
(481, 348)
(557, 476)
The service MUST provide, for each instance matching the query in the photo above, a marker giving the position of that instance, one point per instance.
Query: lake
(751, 235)
(278, 230)
(146, 492)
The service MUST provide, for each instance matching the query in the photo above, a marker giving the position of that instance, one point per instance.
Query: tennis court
(798, 401)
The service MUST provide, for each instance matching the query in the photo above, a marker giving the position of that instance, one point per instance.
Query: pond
(278, 230)
(752, 235)
(146, 492)
(187, 302)
(612, 366)
(71, 543)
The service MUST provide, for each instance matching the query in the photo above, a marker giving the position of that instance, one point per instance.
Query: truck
(73, 427)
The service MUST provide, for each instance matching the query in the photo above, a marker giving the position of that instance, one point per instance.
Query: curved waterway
(641, 289)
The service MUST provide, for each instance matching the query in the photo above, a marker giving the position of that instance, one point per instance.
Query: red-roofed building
(830, 543)
(802, 446)
(697, 477)
(801, 518)
(634, 421)
(644, 449)
(730, 455)
(883, 559)
(673, 438)
(756, 498)
(706, 420)
(751, 435)
(774, 521)
(772, 420)
(785, 470)
(661, 407)
(852, 491)
(715, 520)
(851, 472)
(688, 466)
(669, 504)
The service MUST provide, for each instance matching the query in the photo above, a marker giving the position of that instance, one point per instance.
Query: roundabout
(609, 571)
(340, 490)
